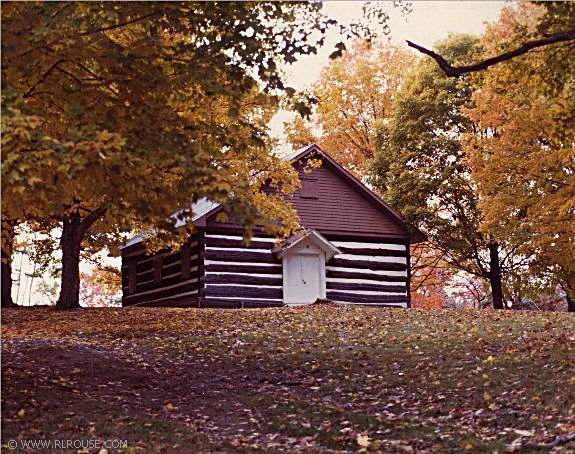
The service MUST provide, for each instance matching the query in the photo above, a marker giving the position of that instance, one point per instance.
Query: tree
(525, 164)
(120, 114)
(95, 293)
(421, 169)
(544, 37)
(354, 93)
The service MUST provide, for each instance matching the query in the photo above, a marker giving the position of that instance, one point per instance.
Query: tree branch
(121, 24)
(455, 71)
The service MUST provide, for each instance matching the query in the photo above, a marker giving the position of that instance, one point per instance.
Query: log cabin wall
(371, 271)
(164, 278)
(236, 275)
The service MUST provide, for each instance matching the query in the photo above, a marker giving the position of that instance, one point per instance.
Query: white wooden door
(302, 280)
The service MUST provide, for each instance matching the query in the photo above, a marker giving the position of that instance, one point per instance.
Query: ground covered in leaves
(313, 379)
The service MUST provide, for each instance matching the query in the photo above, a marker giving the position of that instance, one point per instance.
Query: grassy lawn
(315, 379)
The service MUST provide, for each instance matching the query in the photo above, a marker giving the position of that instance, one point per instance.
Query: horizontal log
(242, 279)
(231, 268)
(363, 238)
(367, 299)
(226, 303)
(218, 228)
(367, 264)
(146, 265)
(372, 252)
(162, 292)
(366, 287)
(144, 277)
(177, 267)
(240, 256)
(360, 275)
(144, 286)
(171, 258)
(229, 242)
(241, 292)
(176, 301)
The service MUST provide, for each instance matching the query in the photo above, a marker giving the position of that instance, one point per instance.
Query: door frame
(305, 248)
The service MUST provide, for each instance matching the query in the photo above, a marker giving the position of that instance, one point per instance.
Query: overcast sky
(429, 22)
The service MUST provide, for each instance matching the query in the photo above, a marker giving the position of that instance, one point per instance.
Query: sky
(428, 22)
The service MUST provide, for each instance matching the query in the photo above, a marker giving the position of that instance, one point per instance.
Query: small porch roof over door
(314, 237)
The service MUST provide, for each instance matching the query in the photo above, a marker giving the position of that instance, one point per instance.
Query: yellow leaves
(572, 380)
(486, 396)
(21, 413)
(169, 407)
(362, 440)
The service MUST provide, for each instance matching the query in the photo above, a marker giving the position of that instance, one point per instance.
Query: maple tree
(354, 93)
(95, 293)
(430, 275)
(524, 163)
(421, 169)
(120, 114)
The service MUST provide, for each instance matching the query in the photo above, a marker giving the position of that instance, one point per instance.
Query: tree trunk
(6, 270)
(74, 229)
(70, 242)
(495, 277)
(570, 301)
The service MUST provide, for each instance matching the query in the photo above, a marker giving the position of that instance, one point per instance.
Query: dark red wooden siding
(341, 208)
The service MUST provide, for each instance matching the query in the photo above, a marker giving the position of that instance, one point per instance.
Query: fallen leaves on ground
(315, 379)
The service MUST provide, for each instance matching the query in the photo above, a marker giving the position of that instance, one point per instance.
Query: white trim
(234, 237)
(359, 245)
(224, 273)
(160, 289)
(219, 262)
(363, 281)
(239, 298)
(210, 248)
(371, 258)
(211, 284)
(367, 271)
(367, 292)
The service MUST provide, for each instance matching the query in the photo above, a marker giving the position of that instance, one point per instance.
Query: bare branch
(455, 71)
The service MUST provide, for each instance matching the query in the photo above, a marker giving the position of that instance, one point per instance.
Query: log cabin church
(354, 250)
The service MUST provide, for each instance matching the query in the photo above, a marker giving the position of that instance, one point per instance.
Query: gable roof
(415, 235)
(314, 236)
(204, 208)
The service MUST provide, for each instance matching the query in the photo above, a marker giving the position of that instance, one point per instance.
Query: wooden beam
(229, 242)
(232, 268)
(366, 287)
(366, 264)
(132, 278)
(367, 299)
(240, 256)
(160, 292)
(371, 251)
(362, 275)
(246, 303)
(240, 292)
(242, 279)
